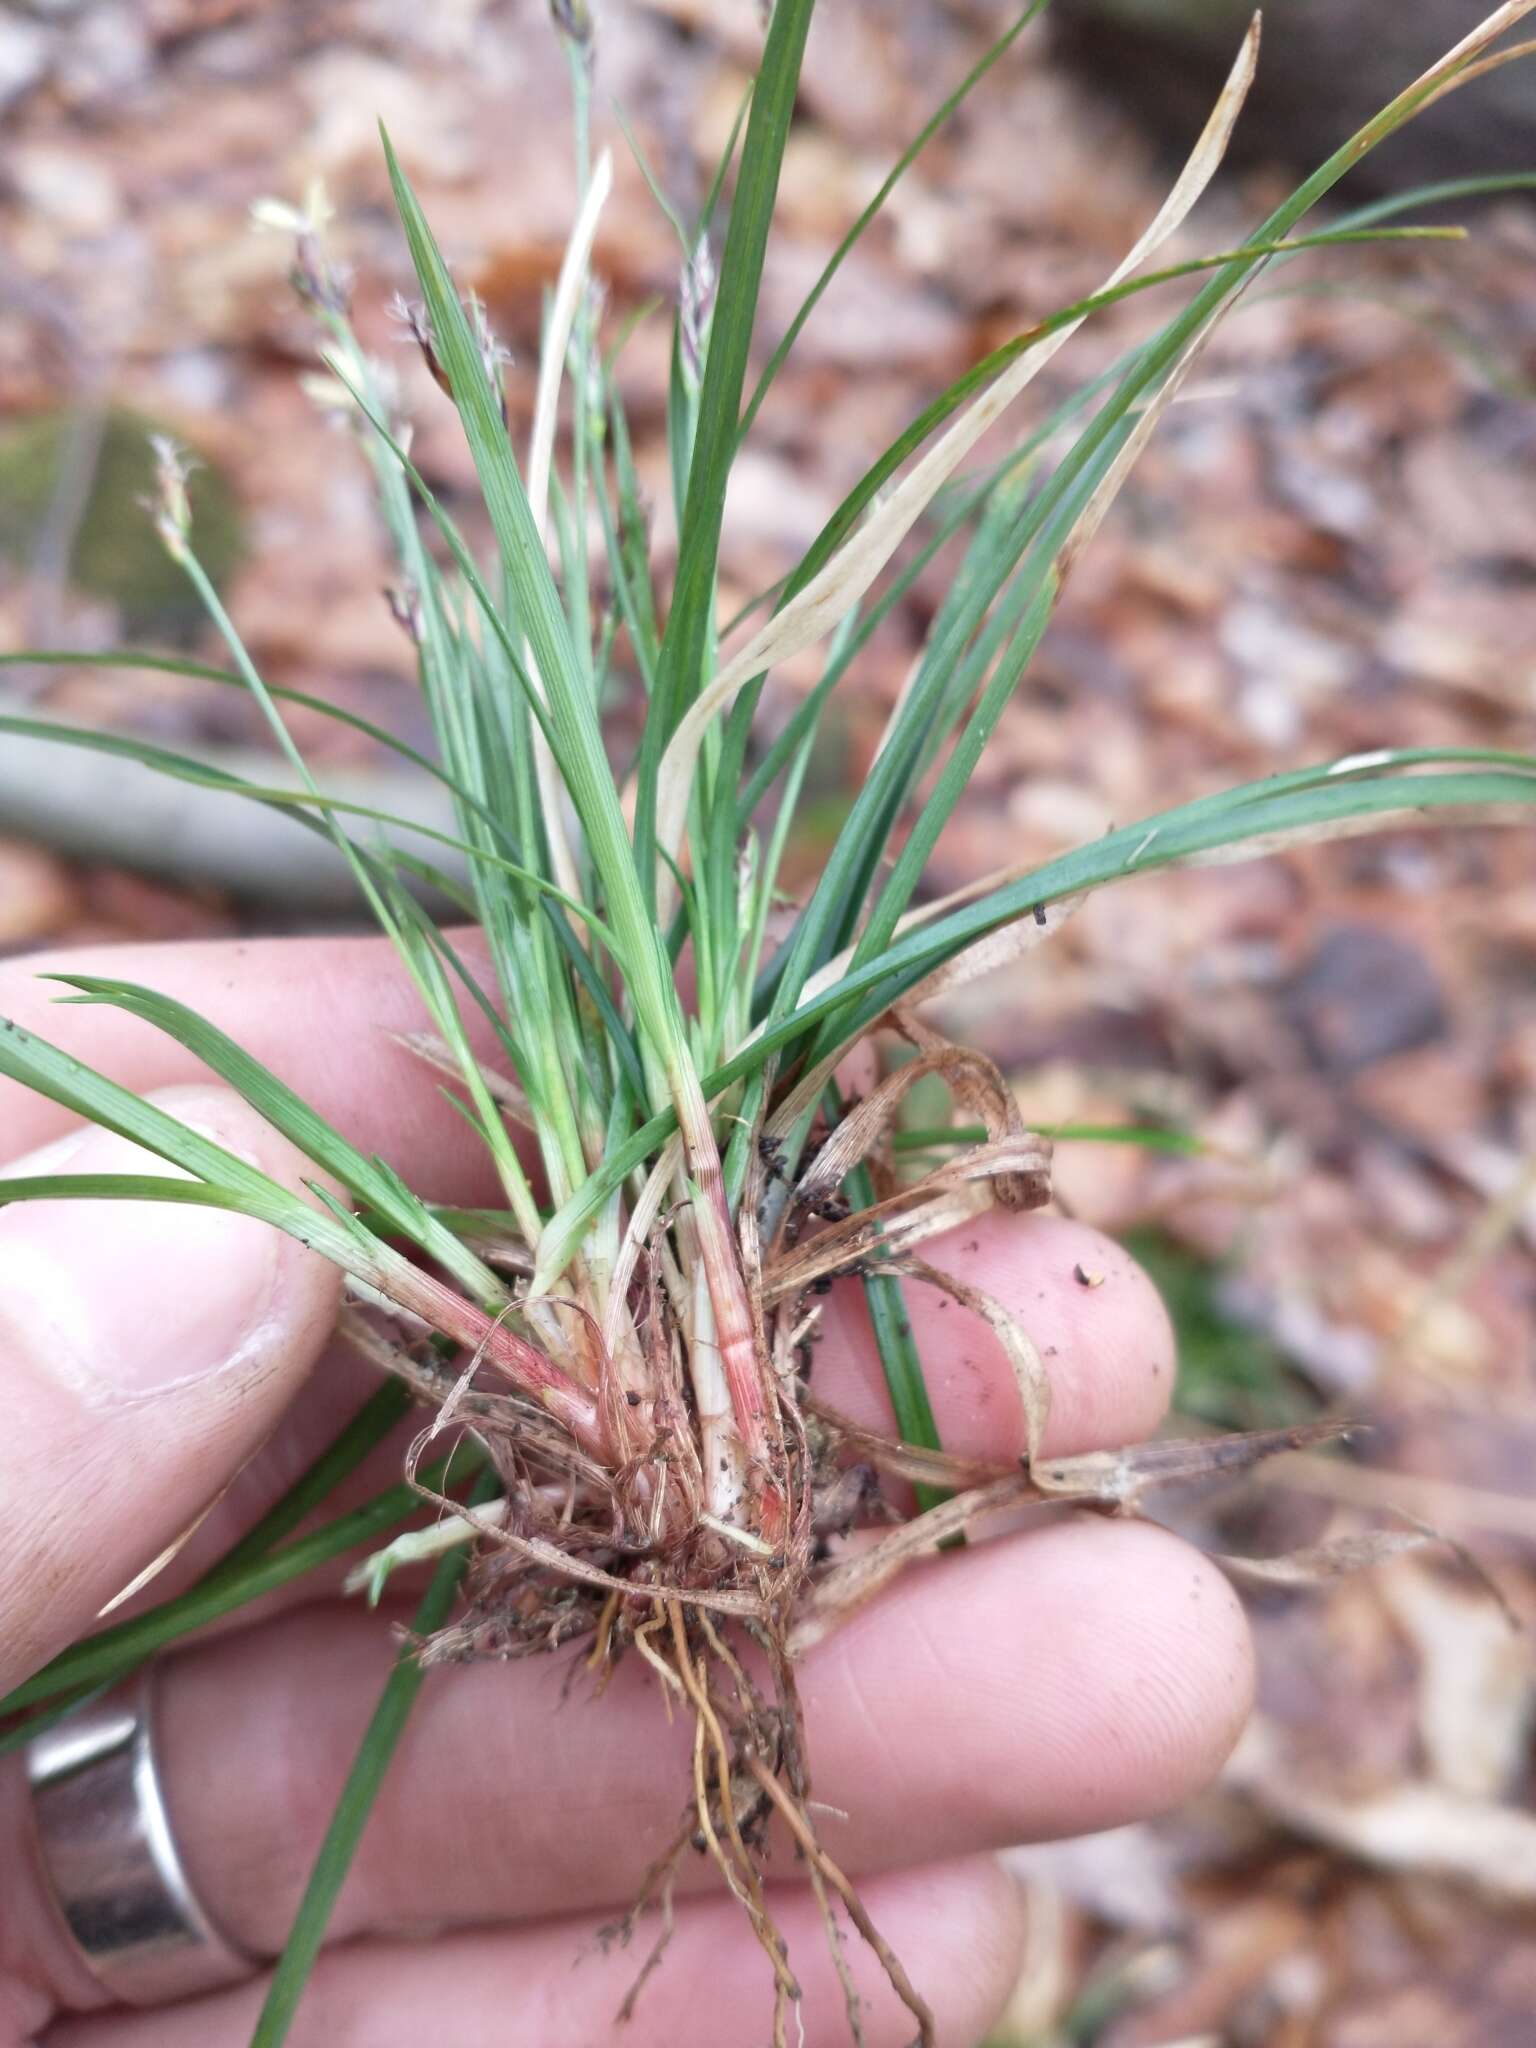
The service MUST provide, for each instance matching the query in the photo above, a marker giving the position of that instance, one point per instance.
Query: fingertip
(150, 1348)
(1200, 1672)
(1098, 1322)
(983, 1922)
(1106, 1668)
(1176, 1664)
(306, 1292)
(1232, 1657)
(127, 1300)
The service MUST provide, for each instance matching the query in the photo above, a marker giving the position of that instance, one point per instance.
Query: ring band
(107, 1849)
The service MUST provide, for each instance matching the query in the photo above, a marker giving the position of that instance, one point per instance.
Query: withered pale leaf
(944, 1199)
(924, 1467)
(552, 360)
(833, 592)
(1119, 1478)
(976, 1084)
(438, 1054)
(841, 1592)
(1335, 1558)
(1023, 1354)
(1415, 1827)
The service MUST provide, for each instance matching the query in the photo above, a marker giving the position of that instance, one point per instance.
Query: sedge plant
(619, 1347)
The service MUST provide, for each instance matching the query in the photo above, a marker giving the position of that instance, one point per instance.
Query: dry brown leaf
(1120, 1478)
(1023, 1354)
(975, 1083)
(1317, 1563)
(816, 609)
(841, 1592)
(914, 1462)
(1476, 1684)
(888, 1231)
(1413, 1827)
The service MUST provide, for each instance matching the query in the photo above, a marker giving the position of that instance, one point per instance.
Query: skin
(1057, 1680)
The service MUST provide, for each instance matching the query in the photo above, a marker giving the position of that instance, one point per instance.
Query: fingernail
(124, 1300)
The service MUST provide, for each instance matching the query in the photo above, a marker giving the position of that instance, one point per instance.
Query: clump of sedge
(623, 1346)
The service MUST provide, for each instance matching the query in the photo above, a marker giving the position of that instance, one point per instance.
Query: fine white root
(742, 1538)
(420, 1546)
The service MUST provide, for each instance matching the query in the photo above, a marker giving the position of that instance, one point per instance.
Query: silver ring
(107, 1849)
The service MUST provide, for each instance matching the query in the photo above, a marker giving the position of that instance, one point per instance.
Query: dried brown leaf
(1335, 1558)
(1119, 1478)
(1414, 1827)
(848, 1586)
(976, 1084)
(944, 1199)
(914, 1462)
(438, 1054)
(1023, 1354)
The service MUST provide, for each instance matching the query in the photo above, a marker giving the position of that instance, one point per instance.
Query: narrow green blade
(361, 1790)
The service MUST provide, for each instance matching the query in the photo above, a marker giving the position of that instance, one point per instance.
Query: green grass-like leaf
(690, 623)
(364, 1781)
(1278, 805)
(367, 1180)
(914, 149)
(1143, 1137)
(131, 659)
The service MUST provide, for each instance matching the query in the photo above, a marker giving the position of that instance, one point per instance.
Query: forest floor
(1331, 546)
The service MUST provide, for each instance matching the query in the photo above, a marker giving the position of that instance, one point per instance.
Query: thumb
(145, 1352)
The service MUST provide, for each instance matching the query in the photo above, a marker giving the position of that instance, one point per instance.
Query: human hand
(1058, 1681)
